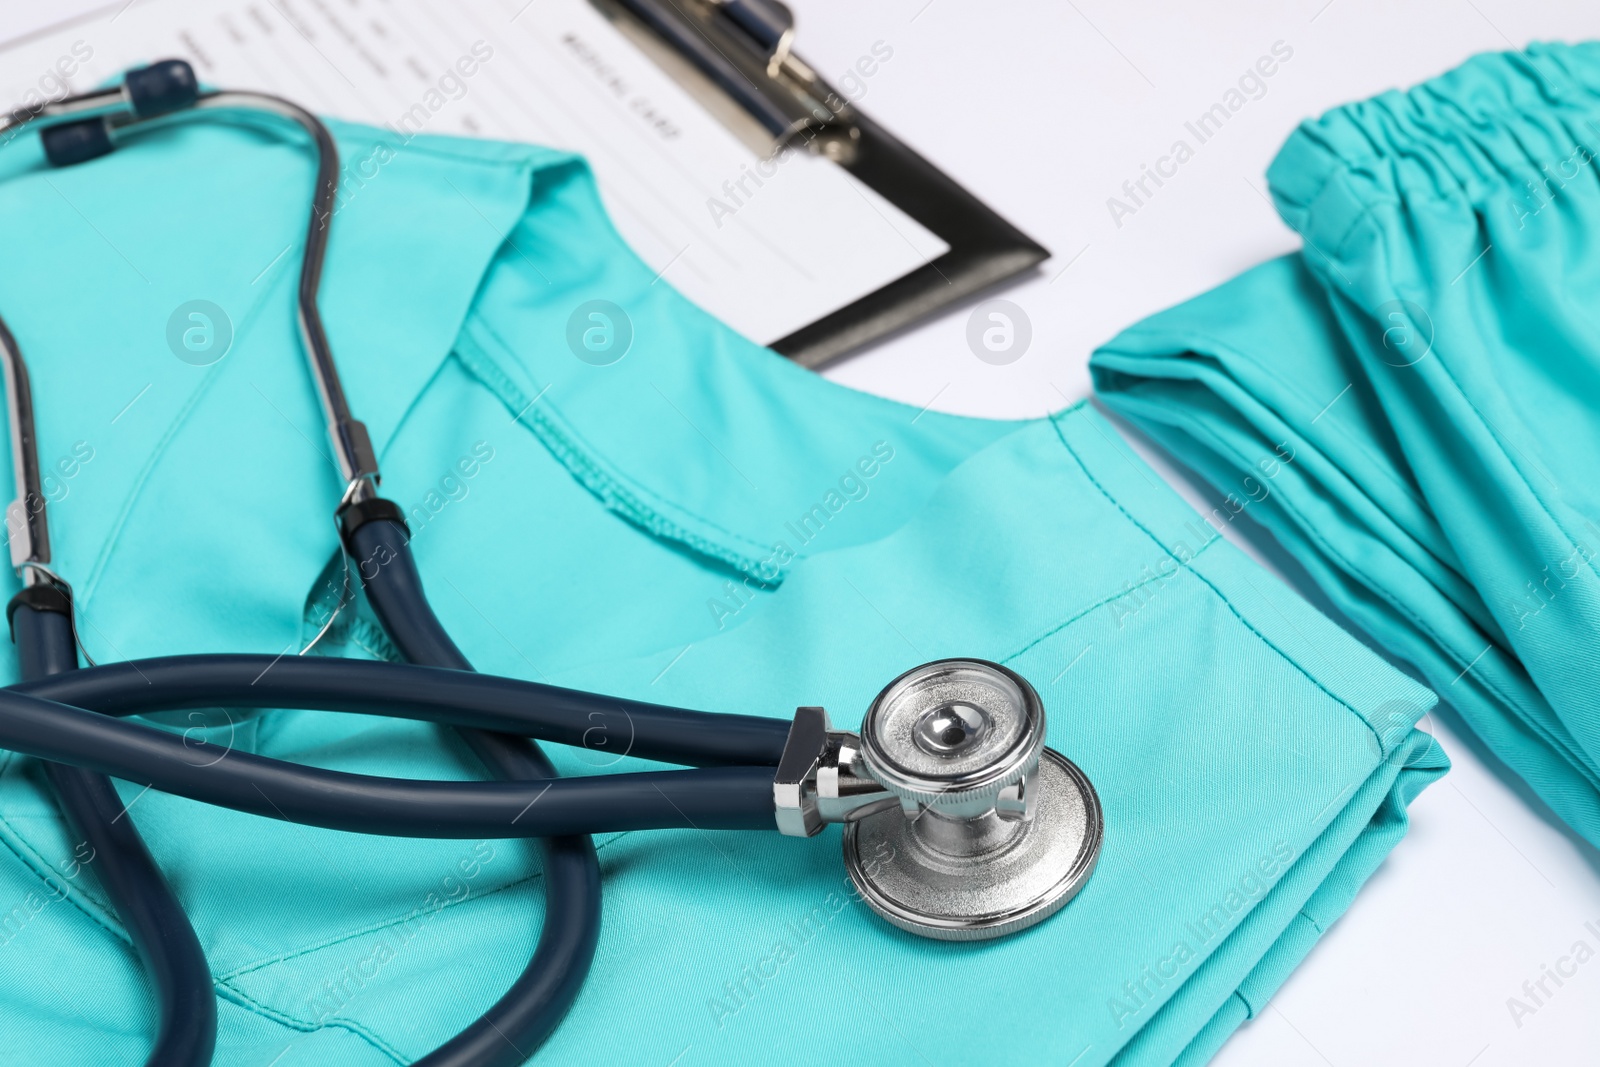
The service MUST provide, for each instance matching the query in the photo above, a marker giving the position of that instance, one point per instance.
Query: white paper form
(767, 247)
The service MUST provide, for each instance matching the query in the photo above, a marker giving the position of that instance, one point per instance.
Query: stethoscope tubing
(719, 798)
(106, 843)
(530, 1010)
(607, 728)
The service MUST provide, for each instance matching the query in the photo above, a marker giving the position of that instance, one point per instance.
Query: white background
(1044, 109)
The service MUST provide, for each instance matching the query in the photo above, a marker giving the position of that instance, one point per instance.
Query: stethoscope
(959, 824)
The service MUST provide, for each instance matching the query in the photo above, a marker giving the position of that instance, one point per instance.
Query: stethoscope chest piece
(992, 832)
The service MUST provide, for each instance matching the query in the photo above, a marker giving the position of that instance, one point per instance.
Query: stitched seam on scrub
(1112, 599)
(618, 492)
(33, 859)
(373, 641)
(1313, 679)
(579, 447)
(382, 924)
(592, 473)
(250, 1004)
(386, 924)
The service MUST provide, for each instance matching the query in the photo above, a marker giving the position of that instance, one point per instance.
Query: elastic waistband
(1500, 120)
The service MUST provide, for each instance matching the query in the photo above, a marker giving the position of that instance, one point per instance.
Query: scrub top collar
(585, 343)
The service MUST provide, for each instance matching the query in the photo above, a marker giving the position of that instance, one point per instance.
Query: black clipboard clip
(737, 58)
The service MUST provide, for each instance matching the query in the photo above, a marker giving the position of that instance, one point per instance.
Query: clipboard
(736, 58)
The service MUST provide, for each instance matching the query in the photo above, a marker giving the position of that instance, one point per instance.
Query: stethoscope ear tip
(71, 143)
(159, 89)
(164, 86)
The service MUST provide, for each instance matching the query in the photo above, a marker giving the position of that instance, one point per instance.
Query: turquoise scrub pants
(1431, 361)
(647, 504)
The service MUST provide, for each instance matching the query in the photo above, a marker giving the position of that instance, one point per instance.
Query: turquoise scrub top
(1432, 360)
(646, 504)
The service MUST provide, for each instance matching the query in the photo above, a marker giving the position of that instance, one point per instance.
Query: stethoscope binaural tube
(82, 128)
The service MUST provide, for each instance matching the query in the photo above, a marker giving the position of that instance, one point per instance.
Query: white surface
(1044, 109)
(767, 247)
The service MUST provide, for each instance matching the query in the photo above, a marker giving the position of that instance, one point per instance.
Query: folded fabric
(660, 510)
(1411, 404)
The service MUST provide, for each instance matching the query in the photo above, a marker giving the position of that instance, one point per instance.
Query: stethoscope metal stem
(358, 464)
(106, 102)
(352, 447)
(27, 528)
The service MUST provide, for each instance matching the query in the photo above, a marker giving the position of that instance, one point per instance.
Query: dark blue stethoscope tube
(528, 1012)
(713, 798)
(607, 727)
(186, 1033)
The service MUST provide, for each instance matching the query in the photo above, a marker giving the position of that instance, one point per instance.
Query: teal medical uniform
(1431, 359)
(685, 518)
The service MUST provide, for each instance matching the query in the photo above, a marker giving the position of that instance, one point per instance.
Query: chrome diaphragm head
(959, 823)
